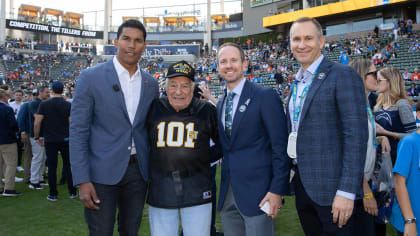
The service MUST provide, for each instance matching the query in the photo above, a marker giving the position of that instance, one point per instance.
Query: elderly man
(180, 128)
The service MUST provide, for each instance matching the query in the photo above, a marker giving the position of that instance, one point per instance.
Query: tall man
(54, 116)
(108, 137)
(327, 122)
(253, 134)
(8, 149)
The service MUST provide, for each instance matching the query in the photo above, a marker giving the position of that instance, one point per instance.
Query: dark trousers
(364, 221)
(213, 199)
(128, 196)
(51, 150)
(317, 220)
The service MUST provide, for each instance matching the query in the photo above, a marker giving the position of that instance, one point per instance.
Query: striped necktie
(229, 114)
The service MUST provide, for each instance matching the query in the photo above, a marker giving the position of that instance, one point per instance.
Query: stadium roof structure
(29, 10)
(325, 10)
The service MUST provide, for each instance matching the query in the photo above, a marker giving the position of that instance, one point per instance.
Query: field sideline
(32, 215)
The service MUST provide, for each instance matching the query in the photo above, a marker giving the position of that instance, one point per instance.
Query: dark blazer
(333, 133)
(255, 159)
(8, 124)
(100, 129)
(23, 118)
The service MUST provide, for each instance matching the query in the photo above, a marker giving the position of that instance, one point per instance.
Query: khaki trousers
(27, 159)
(8, 158)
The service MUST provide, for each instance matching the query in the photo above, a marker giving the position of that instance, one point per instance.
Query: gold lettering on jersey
(177, 141)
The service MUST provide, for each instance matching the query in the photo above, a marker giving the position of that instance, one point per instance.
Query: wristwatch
(410, 220)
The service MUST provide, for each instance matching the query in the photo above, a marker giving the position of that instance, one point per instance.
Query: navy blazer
(100, 129)
(333, 133)
(23, 118)
(255, 158)
(8, 124)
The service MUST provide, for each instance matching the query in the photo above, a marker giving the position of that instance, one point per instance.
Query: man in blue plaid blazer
(328, 134)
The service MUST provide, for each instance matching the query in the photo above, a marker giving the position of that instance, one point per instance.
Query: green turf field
(32, 215)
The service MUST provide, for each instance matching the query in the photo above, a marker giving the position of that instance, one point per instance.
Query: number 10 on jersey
(171, 141)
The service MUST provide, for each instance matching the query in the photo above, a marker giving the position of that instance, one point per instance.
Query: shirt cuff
(347, 195)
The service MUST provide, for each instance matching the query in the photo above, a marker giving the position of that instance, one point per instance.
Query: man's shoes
(19, 169)
(43, 183)
(11, 193)
(35, 186)
(52, 198)
(73, 195)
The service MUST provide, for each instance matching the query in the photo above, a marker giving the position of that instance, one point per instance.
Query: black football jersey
(180, 141)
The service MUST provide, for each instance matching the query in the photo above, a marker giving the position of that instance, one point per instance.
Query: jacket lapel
(112, 78)
(219, 108)
(316, 83)
(244, 100)
(144, 89)
(289, 124)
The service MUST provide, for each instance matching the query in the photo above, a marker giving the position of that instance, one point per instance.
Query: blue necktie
(229, 114)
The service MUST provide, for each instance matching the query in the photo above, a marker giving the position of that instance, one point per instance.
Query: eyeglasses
(373, 73)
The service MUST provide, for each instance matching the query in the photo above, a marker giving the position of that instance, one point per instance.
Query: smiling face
(230, 65)
(180, 92)
(130, 47)
(306, 43)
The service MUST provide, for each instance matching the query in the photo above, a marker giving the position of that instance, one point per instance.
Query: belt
(133, 158)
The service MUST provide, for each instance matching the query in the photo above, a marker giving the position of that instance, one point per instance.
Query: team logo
(242, 108)
(207, 195)
(321, 75)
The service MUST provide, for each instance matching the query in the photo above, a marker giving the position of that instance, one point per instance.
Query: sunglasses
(374, 73)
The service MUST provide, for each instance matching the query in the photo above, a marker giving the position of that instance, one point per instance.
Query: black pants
(128, 196)
(213, 199)
(52, 149)
(19, 149)
(317, 220)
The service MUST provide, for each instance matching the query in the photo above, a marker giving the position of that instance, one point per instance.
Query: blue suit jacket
(8, 125)
(255, 159)
(333, 133)
(100, 129)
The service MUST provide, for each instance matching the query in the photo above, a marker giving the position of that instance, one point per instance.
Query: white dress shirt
(130, 87)
(237, 90)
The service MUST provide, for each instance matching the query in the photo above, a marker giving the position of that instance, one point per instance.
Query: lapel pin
(248, 101)
(321, 76)
(242, 108)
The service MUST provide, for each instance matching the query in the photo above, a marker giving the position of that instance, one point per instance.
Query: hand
(342, 210)
(275, 204)
(410, 230)
(386, 147)
(87, 195)
(205, 91)
(40, 141)
(370, 205)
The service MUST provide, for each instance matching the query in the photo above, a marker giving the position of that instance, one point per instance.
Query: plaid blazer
(333, 133)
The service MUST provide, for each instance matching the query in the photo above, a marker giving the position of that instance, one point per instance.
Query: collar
(3, 103)
(238, 89)
(311, 69)
(120, 69)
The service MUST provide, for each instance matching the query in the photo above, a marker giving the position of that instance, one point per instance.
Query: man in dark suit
(328, 128)
(253, 135)
(108, 137)
(8, 146)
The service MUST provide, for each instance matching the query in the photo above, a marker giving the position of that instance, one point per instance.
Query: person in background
(393, 115)
(406, 209)
(365, 219)
(8, 149)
